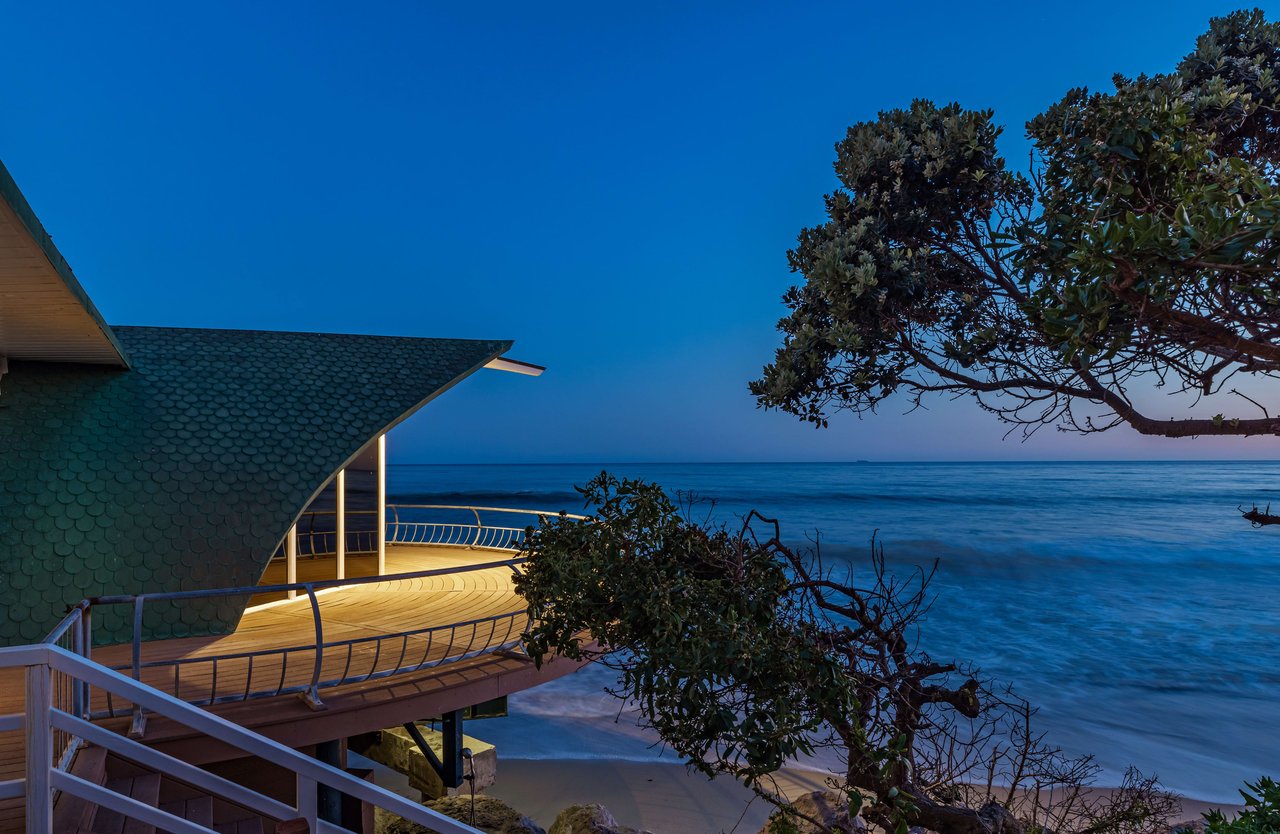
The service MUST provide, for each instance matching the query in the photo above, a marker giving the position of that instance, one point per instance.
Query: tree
(744, 655)
(1139, 250)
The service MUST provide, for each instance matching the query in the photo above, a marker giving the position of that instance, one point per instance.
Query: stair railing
(44, 718)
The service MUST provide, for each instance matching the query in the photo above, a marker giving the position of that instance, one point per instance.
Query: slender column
(382, 504)
(291, 559)
(341, 521)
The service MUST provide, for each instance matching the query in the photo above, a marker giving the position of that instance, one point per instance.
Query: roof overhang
(515, 366)
(45, 315)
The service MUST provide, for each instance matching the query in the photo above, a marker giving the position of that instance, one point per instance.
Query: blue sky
(613, 187)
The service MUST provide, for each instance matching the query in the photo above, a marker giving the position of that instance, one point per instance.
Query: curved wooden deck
(365, 611)
(347, 613)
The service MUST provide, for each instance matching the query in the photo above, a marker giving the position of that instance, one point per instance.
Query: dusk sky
(614, 189)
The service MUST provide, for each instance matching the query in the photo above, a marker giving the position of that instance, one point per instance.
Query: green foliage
(1144, 240)
(707, 640)
(1260, 816)
(909, 177)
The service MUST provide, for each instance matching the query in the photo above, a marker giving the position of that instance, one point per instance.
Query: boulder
(589, 819)
(1188, 827)
(830, 807)
(492, 815)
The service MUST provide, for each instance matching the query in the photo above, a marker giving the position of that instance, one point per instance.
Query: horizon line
(856, 462)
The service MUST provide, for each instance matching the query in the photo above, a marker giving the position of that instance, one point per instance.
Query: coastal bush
(1261, 814)
(1139, 250)
(745, 655)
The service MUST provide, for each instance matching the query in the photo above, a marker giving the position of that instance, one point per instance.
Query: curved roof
(186, 471)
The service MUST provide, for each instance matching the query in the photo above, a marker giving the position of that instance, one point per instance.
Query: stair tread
(91, 764)
(197, 809)
(144, 788)
(71, 813)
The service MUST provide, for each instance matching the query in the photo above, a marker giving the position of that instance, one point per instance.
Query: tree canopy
(1140, 247)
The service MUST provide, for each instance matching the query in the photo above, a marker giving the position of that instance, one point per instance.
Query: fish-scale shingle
(186, 471)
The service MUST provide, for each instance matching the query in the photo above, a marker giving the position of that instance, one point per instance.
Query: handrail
(42, 719)
(310, 691)
(514, 510)
(321, 540)
(471, 631)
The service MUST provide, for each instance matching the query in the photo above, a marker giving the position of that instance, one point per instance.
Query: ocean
(1128, 601)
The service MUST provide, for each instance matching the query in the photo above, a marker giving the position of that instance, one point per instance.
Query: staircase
(84, 778)
(97, 766)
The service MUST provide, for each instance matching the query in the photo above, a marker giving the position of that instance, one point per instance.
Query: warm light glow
(515, 366)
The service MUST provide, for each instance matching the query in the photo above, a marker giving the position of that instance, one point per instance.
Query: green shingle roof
(186, 471)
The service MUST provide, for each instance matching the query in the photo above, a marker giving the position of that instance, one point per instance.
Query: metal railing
(317, 533)
(437, 525)
(45, 719)
(308, 668)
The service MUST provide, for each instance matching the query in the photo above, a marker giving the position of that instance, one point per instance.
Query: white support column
(341, 522)
(291, 559)
(382, 504)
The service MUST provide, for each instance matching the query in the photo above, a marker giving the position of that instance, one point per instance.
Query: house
(179, 651)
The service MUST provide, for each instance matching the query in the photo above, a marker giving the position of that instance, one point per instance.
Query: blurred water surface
(1128, 600)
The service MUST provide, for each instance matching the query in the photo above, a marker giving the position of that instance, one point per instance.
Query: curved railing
(453, 527)
(437, 525)
(308, 668)
(317, 536)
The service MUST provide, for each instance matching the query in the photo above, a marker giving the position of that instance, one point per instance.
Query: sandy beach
(663, 798)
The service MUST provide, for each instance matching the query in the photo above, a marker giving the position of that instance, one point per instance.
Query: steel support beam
(329, 800)
(451, 729)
